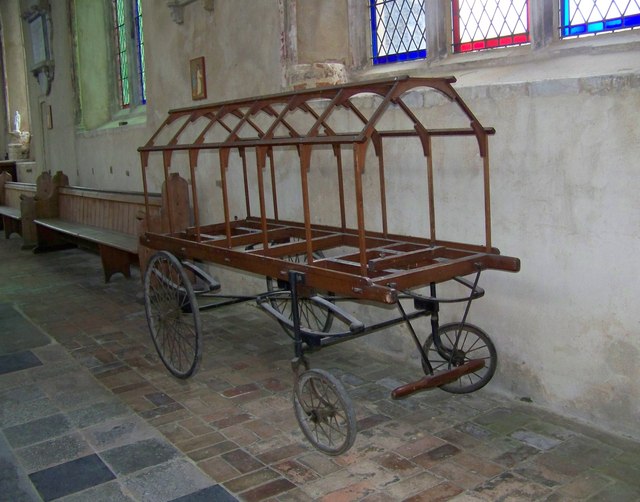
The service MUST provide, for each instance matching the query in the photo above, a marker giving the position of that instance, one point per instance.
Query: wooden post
(305, 164)
(359, 152)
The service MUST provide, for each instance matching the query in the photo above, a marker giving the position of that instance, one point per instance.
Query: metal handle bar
(476, 292)
(355, 326)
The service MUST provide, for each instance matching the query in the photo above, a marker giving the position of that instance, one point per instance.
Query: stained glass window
(120, 33)
(487, 24)
(397, 30)
(129, 57)
(588, 17)
(137, 22)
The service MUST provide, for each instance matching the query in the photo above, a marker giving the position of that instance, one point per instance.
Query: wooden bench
(106, 221)
(12, 195)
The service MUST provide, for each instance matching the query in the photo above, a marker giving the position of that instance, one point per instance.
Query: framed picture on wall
(198, 79)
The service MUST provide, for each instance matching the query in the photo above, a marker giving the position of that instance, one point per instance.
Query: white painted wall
(565, 182)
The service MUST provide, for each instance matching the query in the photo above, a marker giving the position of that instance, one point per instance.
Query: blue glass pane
(397, 30)
(596, 16)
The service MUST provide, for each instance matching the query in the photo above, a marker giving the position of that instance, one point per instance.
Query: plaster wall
(564, 200)
(241, 48)
(564, 193)
(325, 29)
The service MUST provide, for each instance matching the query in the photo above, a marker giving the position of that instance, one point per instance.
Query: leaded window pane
(487, 24)
(589, 17)
(398, 30)
(140, 51)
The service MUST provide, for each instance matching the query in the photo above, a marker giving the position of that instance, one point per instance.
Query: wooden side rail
(100, 220)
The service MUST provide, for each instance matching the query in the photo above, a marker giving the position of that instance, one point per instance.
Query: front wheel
(324, 412)
(172, 314)
(461, 343)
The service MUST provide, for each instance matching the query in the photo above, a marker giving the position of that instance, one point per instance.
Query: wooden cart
(274, 146)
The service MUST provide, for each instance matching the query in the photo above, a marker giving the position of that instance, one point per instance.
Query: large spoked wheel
(312, 316)
(462, 343)
(172, 314)
(324, 412)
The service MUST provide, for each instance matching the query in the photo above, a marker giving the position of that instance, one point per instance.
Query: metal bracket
(177, 8)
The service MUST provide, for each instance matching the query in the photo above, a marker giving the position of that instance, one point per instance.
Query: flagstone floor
(88, 412)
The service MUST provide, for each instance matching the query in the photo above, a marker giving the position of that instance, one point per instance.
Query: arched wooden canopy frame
(384, 263)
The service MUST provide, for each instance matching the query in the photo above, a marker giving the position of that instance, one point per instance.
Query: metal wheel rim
(172, 314)
(473, 343)
(324, 412)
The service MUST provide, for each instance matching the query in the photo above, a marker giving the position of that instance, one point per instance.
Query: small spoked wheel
(324, 412)
(462, 343)
(312, 316)
(172, 314)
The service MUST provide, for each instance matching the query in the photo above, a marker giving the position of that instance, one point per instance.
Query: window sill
(122, 120)
(562, 59)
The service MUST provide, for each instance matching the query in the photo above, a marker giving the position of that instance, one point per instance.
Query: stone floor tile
(15, 412)
(458, 438)
(218, 469)
(139, 455)
(215, 493)
(396, 464)
(467, 497)
(37, 430)
(413, 485)
(166, 481)
(212, 450)
(356, 491)
(281, 453)
(625, 468)
(118, 432)
(198, 442)
(616, 491)
(545, 475)
(296, 472)
(14, 482)
(295, 495)
(458, 475)
(174, 432)
(378, 497)
(503, 421)
(242, 461)
(52, 452)
(71, 477)
(270, 489)
(420, 446)
(322, 464)
(508, 486)
(251, 480)
(438, 493)
(97, 413)
(476, 465)
(107, 492)
(18, 361)
(539, 441)
(584, 486)
(195, 426)
(438, 454)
